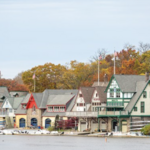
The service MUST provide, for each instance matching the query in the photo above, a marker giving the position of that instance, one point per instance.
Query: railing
(3, 113)
(117, 113)
(81, 114)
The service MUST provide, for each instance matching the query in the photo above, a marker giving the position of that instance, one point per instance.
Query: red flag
(100, 57)
(33, 77)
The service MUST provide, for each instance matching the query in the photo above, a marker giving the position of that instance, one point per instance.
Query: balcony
(112, 113)
(3, 114)
(81, 114)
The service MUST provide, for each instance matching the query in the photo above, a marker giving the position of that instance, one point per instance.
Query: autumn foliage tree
(76, 74)
(12, 85)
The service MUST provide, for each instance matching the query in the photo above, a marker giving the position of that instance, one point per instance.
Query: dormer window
(80, 95)
(56, 108)
(96, 95)
(24, 106)
(62, 109)
(50, 108)
(144, 94)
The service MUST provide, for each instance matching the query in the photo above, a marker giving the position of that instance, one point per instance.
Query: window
(24, 106)
(117, 92)
(144, 94)
(56, 109)
(33, 108)
(80, 104)
(80, 95)
(10, 110)
(62, 108)
(96, 94)
(135, 108)
(111, 92)
(142, 107)
(50, 108)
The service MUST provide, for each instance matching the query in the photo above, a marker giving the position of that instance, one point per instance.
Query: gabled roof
(87, 93)
(38, 98)
(59, 99)
(47, 93)
(127, 83)
(14, 101)
(4, 92)
(26, 98)
(95, 84)
(102, 95)
(140, 86)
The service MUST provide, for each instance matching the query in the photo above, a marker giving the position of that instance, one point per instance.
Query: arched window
(22, 122)
(34, 122)
(47, 123)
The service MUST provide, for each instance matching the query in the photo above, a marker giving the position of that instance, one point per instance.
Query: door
(34, 122)
(124, 126)
(22, 122)
(114, 125)
(94, 126)
(82, 126)
(47, 123)
(103, 126)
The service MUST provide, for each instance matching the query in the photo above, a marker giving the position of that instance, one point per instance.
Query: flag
(115, 53)
(33, 77)
(100, 57)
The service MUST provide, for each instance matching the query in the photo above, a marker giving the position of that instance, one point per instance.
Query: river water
(17, 142)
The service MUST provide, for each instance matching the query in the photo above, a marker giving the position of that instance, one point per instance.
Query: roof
(87, 93)
(47, 93)
(26, 98)
(4, 92)
(53, 114)
(59, 99)
(127, 83)
(139, 89)
(102, 95)
(20, 110)
(20, 93)
(38, 98)
(95, 84)
(14, 101)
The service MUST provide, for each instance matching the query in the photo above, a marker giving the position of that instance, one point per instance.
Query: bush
(50, 128)
(146, 130)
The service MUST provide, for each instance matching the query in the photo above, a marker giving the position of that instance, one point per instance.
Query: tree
(18, 78)
(47, 76)
(143, 47)
(12, 85)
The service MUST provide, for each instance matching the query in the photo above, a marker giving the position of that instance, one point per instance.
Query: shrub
(146, 130)
(50, 128)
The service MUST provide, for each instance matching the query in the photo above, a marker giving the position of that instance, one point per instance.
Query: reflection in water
(17, 142)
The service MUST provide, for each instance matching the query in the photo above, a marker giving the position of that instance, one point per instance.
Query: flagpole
(114, 64)
(34, 85)
(98, 71)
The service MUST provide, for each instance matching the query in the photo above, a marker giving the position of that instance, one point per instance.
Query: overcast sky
(34, 32)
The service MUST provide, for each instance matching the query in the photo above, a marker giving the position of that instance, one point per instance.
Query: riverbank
(69, 133)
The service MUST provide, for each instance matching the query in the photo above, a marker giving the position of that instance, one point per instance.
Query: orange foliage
(12, 85)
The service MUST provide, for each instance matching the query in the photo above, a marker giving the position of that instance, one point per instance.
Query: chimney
(146, 76)
(105, 78)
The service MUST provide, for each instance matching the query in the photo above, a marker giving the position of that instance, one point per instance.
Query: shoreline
(67, 133)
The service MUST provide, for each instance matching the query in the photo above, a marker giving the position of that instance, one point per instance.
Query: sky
(35, 32)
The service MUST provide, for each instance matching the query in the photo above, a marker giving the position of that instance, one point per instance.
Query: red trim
(55, 106)
(31, 102)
